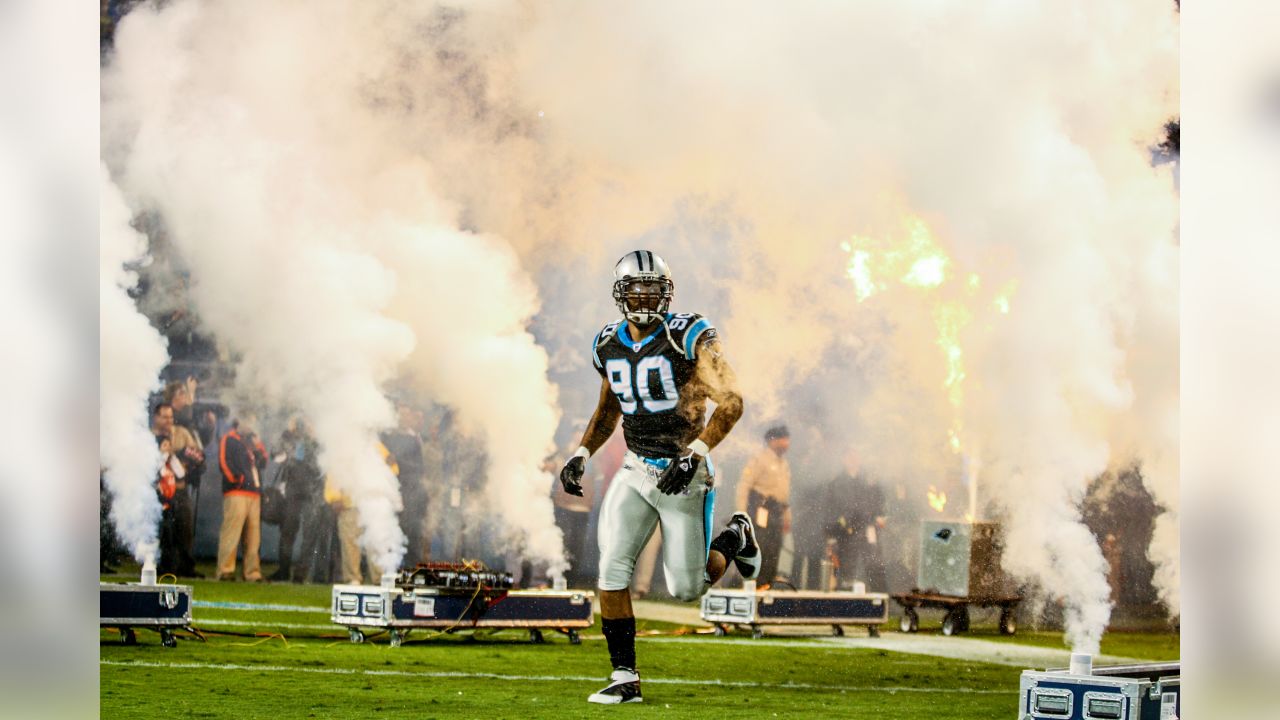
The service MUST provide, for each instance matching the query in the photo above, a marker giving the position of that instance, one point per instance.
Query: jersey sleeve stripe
(691, 336)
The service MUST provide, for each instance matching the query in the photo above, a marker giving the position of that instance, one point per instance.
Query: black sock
(726, 543)
(620, 633)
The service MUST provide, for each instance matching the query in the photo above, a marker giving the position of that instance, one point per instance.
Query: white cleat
(623, 687)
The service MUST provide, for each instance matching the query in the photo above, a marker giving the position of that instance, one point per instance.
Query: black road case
(1119, 692)
(755, 609)
(361, 608)
(133, 605)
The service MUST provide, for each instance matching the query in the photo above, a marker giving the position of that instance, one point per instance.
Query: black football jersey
(663, 406)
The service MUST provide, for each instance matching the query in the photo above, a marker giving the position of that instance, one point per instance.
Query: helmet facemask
(643, 300)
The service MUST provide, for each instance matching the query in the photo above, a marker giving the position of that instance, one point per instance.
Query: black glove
(679, 474)
(571, 475)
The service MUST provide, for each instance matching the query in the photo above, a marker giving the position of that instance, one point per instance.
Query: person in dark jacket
(856, 515)
(241, 457)
(303, 483)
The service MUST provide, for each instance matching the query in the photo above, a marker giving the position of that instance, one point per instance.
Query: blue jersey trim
(631, 344)
(691, 336)
(708, 510)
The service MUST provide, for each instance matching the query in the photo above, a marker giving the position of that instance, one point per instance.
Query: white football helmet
(642, 287)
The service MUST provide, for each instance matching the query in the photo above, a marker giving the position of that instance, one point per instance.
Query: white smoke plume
(744, 144)
(1151, 432)
(132, 354)
(274, 141)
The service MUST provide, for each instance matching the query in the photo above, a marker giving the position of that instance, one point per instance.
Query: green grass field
(290, 662)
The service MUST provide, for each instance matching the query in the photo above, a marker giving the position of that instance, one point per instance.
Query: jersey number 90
(634, 385)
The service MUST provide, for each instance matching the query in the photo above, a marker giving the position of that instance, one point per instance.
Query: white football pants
(633, 507)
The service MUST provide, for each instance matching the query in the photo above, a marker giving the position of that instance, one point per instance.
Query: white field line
(223, 605)
(545, 678)
(261, 624)
(953, 648)
(1011, 654)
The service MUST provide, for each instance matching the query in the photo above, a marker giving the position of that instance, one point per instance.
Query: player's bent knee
(615, 576)
(687, 590)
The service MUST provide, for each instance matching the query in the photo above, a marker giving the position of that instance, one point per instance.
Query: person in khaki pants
(764, 493)
(349, 527)
(240, 457)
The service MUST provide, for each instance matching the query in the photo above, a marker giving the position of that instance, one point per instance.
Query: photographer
(185, 450)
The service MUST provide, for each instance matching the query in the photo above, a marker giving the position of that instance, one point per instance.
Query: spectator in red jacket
(241, 457)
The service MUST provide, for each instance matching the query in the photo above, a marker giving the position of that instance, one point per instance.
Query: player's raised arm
(599, 428)
(717, 376)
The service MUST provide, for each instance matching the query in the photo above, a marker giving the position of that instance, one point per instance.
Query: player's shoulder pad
(687, 330)
(602, 337)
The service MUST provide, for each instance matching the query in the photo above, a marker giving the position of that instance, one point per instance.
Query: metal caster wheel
(535, 636)
(757, 633)
(1008, 622)
(128, 637)
(956, 621)
(910, 621)
(167, 639)
(574, 638)
(397, 638)
(720, 630)
(873, 631)
(356, 636)
(837, 631)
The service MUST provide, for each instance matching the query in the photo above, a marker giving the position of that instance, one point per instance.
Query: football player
(658, 370)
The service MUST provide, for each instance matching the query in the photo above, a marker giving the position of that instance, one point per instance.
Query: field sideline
(271, 652)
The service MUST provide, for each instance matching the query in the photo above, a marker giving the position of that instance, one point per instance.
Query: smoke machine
(145, 604)
(1151, 691)
(451, 597)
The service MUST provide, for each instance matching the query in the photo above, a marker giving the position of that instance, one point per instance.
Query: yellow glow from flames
(937, 499)
(1006, 294)
(951, 318)
(914, 258)
(860, 272)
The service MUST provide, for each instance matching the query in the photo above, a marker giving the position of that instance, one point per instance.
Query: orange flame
(914, 258)
(937, 499)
